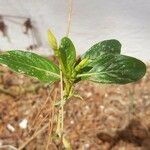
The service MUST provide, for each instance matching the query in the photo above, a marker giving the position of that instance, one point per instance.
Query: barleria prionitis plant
(102, 63)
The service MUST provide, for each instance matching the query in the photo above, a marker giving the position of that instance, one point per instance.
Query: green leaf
(111, 68)
(52, 40)
(107, 46)
(31, 64)
(67, 54)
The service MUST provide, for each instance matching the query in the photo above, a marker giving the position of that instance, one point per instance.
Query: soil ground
(115, 117)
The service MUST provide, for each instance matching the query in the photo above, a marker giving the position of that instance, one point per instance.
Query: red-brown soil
(115, 117)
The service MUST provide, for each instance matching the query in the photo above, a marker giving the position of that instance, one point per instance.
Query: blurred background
(111, 117)
(92, 21)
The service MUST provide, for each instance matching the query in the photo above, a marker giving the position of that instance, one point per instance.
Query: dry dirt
(115, 117)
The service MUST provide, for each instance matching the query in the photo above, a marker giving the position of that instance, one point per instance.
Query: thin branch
(41, 121)
(8, 147)
(40, 111)
(51, 123)
(33, 136)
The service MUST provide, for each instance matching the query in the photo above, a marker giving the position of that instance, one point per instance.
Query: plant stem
(62, 102)
(66, 86)
(69, 17)
(60, 120)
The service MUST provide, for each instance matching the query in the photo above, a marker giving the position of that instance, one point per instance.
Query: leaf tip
(52, 40)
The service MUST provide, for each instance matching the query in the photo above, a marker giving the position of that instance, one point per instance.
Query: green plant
(102, 63)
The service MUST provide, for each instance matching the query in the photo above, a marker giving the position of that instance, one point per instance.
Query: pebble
(23, 124)
(10, 128)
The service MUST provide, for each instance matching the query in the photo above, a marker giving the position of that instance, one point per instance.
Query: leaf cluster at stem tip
(102, 63)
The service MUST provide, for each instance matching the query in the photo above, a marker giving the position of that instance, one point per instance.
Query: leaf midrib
(38, 69)
(82, 75)
(96, 73)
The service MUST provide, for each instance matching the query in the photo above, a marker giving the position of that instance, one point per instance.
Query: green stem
(61, 108)
(68, 87)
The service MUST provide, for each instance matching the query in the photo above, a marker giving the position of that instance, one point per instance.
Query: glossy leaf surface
(67, 54)
(107, 46)
(31, 64)
(110, 68)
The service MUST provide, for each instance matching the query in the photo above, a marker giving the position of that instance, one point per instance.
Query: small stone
(72, 122)
(23, 124)
(10, 128)
(102, 107)
(89, 94)
(87, 107)
(87, 145)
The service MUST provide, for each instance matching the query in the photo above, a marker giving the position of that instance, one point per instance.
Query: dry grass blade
(51, 119)
(8, 147)
(41, 109)
(33, 136)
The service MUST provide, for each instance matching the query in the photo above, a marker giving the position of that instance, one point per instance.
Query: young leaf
(67, 54)
(31, 64)
(111, 68)
(52, 40)
(107, 46)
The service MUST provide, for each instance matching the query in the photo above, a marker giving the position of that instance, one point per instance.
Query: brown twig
(8, 147)
(33, 136)
(40, 111)
(51, 120)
